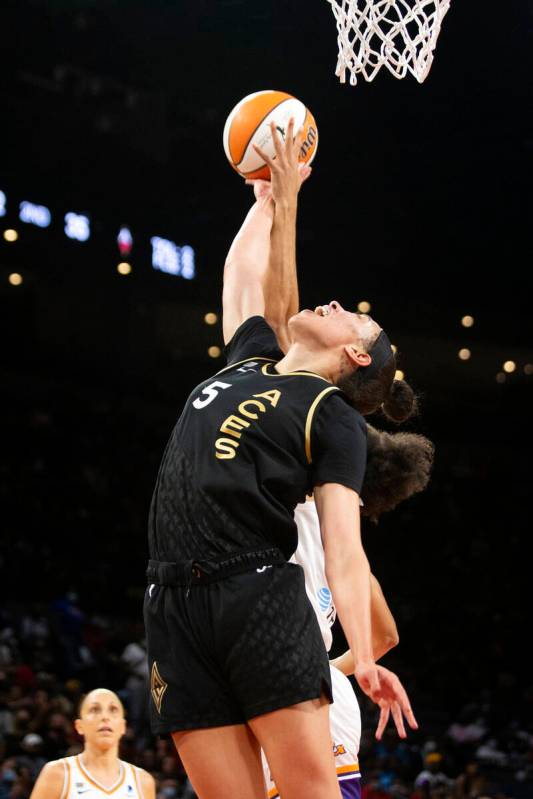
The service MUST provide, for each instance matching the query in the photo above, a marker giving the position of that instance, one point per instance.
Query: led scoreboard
(166, 255)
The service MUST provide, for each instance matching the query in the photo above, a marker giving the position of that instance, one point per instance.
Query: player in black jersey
(236, 656)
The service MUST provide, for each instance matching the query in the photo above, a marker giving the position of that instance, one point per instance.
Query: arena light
(124, 268)
(467, 321)
(173, 260)
(15, 279)
(214, 352)
(528, 369)
(501, 377)
(3, 201)
(363, 306)
(10, 235)
(124, 241)
(399, 375)
(509, 367)
(32, 214)
(210, 318)
(77, 226)
(464, 354)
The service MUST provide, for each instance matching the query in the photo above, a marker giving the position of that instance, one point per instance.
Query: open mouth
(323, 310)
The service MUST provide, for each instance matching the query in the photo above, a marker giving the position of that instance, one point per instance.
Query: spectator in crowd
(431, 778)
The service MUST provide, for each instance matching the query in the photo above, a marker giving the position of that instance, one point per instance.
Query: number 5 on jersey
(211, 391)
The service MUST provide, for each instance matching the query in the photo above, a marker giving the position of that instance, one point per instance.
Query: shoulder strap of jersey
(137, 780)
(309, 420)
(66, 778)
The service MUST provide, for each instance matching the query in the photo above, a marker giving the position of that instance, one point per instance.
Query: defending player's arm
(348, 575)
(347, 569)
(245, 269)
(281, 284)
(50, 782)
(384, 630)
(337, 453)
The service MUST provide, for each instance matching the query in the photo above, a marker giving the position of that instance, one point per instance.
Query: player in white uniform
(97, 772)
(344, 717)
(411, 465)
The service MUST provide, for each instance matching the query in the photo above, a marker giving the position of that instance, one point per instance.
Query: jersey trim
(343, 773)
(251, 358)
(309, 421)
(108, 791)
(352, 770)
(66, 779)
(291, 374)
(137, 781)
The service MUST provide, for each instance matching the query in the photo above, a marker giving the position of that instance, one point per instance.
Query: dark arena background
(112, 124)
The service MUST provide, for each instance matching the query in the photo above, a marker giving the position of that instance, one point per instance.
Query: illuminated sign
(34, 214)
(168, 257)
(77, 226)
(124, 241)
(188, 269)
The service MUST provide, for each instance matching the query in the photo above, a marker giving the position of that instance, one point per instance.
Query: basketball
(249, 123)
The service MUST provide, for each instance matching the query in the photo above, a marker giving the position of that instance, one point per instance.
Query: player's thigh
(297, 744)
(222, 761)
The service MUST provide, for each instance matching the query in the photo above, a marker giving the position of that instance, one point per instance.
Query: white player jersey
(310, 556)
(79, 784)
(345, 729)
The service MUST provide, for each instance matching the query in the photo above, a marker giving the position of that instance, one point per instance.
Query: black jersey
(248, 446)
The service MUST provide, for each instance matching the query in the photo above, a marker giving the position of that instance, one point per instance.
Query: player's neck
(98, 761)
(300, 358)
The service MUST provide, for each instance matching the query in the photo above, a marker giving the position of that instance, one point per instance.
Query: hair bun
(400, 403)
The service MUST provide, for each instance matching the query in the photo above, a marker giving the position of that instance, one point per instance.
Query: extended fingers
(398, 719)
(409, 715)
(383, 719)
(266, 158)
(401, 700)
(291, 146)
(276, 139)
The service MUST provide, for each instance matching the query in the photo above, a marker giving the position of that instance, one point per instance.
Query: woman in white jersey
(97, 772)
(398, 466)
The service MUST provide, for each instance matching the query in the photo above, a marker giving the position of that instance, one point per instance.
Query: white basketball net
(398, 34)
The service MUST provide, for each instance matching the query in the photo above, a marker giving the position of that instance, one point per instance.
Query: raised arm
(384, 630)
(348, 576)
(245, 269)
(281, 284)
(347, 569)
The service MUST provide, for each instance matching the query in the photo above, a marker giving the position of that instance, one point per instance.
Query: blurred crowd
(50, 655)
(48, 658)
(77, 468)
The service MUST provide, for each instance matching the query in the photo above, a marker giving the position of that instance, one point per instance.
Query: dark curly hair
(398, 466)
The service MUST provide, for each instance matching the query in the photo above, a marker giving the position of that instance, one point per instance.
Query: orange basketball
(249, 124)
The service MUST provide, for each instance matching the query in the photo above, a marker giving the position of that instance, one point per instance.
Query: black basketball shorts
(227, 644)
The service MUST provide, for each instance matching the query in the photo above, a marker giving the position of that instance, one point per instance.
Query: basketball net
(398, 34)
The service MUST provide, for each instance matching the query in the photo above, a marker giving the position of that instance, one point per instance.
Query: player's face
(101, 721)
(331, 326)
